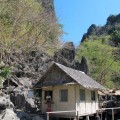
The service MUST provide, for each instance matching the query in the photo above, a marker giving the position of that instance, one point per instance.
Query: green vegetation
(4, 73)
(102, 62)
(116, 37)
(24, 25)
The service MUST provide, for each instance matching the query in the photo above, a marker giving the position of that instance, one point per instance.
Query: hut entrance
(48, 100)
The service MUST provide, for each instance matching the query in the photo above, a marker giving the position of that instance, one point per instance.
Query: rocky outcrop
(30, 105)
(66, 56)
(26, 69)
(5, 103)
(9, 114)
(18, 99)
(7, 111)
(27, 66)
(48, 6)
(112, 24)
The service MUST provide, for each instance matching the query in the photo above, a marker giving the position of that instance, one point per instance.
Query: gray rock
(23, 116)
(18, 99)
(66, 56)
(37, 118)
(9, 114)
(5, 103)
(30, 105)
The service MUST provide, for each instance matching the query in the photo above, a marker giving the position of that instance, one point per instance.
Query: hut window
(82, 95)
(64, 95)
(93, 95)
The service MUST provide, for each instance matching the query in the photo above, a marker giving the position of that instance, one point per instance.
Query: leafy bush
(101, 60)
(116, 37)
(5, 72)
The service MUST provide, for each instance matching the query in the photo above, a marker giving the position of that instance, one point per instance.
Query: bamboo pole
(47, 116)
(77, 115)
(101, 115)
(87, 118)
(112, 114)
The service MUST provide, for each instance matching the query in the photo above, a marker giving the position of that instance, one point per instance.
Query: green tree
(24, 25)
(115, 36)
(101, 61)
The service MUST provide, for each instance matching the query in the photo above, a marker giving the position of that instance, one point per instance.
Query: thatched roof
(78, 77)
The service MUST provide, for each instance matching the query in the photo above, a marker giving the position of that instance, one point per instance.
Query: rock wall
(66, 56)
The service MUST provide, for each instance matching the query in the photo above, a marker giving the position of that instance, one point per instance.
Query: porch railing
(74, 111)
(59, 112)
(112, 110)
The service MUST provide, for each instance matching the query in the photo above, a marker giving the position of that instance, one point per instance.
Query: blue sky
(77, 15)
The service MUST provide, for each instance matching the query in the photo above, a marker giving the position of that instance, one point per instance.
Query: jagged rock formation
(112, 24)
(27, 68)
(7, 111)
(49, 7)
(66, 56)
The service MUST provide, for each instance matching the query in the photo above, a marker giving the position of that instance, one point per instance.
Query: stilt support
(112, 114)
(87, 118)
(97, 117)
(47, 116)
(77, 115)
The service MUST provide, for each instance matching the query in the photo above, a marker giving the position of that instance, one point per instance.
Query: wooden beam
(87, 118)
(47, 116)
(77, 115)
(101, 115)
(112, 114)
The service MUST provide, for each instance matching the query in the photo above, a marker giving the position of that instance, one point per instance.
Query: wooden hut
(68, 89)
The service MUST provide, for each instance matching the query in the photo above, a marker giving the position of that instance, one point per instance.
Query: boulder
(9, 114)
(18, 99)
(30, 105)
(5, 103)
(66, 56)
(83, 65)
(37, 118)
(23, 116)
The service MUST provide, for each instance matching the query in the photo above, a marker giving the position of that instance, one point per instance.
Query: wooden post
(112, 114)
(101, 115)
(87, 118)
(77, 115)
(47, 116)
(97, 116)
